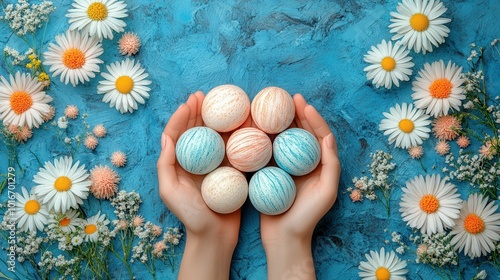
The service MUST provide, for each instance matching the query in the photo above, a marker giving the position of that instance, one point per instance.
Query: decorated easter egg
(271, 190)
(273, 110)
(200, 150)
(249, 149)
(225, 108)
(296, 151)
(224, 190)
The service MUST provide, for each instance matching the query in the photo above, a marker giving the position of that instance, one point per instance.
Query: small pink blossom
(416, 152)
(100, 131)
(90, 142)
(118, 159)
(463, 141)
(129, 44)
(442, 148)
(71, 112)
(356, 195)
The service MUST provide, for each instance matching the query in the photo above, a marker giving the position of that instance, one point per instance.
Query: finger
(167, 175)
(330, 166)
(200, 97)
(178, 123)
(300, 117)
(318, 125)
(192, 103)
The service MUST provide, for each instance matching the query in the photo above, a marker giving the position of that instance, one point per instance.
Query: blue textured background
(312, 47)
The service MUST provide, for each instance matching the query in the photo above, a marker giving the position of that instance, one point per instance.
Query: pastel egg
(271, 191)
(273, 110)
(224, 190)
(249, 149)
(296, 151)
(200, 150)
(225, 108)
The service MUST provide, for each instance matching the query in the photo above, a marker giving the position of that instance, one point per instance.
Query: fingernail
(163, 141)
(329, 141)
(180, 106)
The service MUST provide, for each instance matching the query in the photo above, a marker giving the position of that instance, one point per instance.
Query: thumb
(330, 166)
(167, 174)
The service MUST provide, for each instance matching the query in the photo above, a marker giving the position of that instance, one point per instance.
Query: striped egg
(271, 191)
(296, 151)
(200, 150)
(273, 110)
(249, 149)
(224, 190)
(225, 108)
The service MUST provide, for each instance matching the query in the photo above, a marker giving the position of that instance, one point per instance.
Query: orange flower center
(62, 184)
(73, 58)
(419, 22)
(31, 207)
(65, 222)
(20, 102)
(124, 84)
(406, 125)
(90, 229)
(382, 273)
(97, 11)
(440, 88)
(429, 204)
(473, 224)
(388, 63)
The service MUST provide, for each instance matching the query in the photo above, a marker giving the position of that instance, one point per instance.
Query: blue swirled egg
(200, 150)
(271, 190)
(296, 151)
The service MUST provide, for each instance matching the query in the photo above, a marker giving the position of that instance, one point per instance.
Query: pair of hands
(286, 237)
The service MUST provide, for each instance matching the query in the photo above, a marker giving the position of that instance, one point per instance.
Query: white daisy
(23, 101)
(30, 213)
(430, 204)
(478, 227)
(124, 85)
(67, 222)
(389, 64)
(98, 17)
(438, 88)
(75, 57)
(382, 266)
(94, 225)
(418, 24)
(63, 184)
(405, 125)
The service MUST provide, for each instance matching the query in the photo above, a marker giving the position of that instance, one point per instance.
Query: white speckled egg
(200, 150)
(225, 108)
(296, 151)
(249, 149)
(273, 110)
(272, 190)
(224, 190)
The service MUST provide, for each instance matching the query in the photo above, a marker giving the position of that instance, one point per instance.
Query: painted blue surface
(312, 47)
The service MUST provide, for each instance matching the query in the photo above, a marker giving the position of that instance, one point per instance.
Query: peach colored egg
(273, 110)
(225, 108)
(224, 190)
(249, 149)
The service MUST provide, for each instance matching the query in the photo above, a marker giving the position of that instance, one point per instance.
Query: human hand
(211, 237)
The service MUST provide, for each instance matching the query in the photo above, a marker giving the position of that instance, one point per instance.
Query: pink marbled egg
(273, 110)
(224, 190)
(249, 149)
(225, 108)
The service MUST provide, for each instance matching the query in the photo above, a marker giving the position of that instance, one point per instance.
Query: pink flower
(90, 142)
(488, 150)
(159, 247)
(20, 134)
(137, 221)
(416, 152)
(118, 159)
(442, 148)
(100, 130)
(122, 224)
(71, 112)
(156, 231)
(356, 195)
(446, 127)
(422, 250)
(104, 182)
(129, 44)
(49, 115)
(463, 142)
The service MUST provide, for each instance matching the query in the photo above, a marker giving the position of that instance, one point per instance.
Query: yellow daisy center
(382, 273)
(62, 184)
(73, 58)
(429, 204)
(406, 125)
(473, 224)
(124, 84)
(419, 22)
(440, 88)
(97, 11)
(388, 63)
(31, 207)
(90, 229)
(20, 102)
(65, 222)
